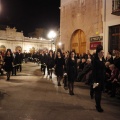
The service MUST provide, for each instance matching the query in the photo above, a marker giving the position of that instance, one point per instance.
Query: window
(114, 37)
(116, 7)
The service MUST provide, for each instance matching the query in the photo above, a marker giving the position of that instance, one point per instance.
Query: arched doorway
(18, 48)
(32, 50)
(2, 48)
(78, 41)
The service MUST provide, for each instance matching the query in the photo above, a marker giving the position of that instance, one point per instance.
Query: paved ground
(32, 96)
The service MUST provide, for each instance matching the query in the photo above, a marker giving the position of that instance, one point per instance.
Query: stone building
(86, 23)
(14, 40)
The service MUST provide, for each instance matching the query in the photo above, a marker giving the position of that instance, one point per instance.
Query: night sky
(26, 15)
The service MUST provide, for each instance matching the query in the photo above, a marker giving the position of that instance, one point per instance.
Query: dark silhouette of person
(8, 63)
(99, 75)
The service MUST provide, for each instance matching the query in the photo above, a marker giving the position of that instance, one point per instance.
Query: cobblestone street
(32, 96)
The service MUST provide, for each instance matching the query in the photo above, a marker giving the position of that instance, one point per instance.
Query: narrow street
(32, 96)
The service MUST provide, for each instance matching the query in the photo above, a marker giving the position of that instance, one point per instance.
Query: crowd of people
(10, 62)
(101, 72)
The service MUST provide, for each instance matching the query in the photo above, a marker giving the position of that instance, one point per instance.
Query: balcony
(116, 7)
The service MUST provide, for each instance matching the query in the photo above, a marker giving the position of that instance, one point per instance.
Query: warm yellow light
(97, 32)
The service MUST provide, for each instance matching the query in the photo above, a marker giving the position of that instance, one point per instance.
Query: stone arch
(2, 48)
(18, 48)
(78, 41)
(32, 50)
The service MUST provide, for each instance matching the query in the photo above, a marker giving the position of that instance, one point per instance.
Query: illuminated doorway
(18, 48)
(2, 48)
(78, 42)
(32, 50)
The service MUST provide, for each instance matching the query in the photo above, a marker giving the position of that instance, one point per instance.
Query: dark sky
(27, 15)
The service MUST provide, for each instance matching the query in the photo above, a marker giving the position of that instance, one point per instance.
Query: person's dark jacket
(117, 62)
(85, 70)
(50, 61)
(98, 70)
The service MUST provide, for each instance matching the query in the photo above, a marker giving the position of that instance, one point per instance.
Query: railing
(116, 7)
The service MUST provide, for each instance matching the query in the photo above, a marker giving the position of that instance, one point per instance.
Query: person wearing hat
(98, 76)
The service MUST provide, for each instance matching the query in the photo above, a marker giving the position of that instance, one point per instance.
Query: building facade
(14, 40)
(86, 23)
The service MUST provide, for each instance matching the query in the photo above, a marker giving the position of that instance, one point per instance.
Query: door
(78, 42)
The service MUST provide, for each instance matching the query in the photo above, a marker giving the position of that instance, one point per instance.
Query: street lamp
(59, 43)
(51, 35)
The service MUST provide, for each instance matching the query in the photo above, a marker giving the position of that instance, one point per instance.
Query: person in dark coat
(46, 60)
(71, 72)
(19, 60)
(59, 66)
(50, 63)
(43, 62)
(98, 76)
(82, 64)
(8, 63)
(85, 70)
(116, 60)
(1, 64)
(112, 81)
(65, 77)
(109, 58)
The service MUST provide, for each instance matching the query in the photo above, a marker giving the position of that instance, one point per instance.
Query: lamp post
(59, 44)
(51, 35)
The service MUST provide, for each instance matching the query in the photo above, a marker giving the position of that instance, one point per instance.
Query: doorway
(78, 42)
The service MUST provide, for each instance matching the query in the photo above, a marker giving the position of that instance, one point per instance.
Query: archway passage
(2, 48)
(18, 48)
(32, 50)
(78, 42)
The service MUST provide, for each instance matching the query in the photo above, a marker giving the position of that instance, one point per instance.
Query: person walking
(8, 63)
(43, 62)
(98, 76)
(71, 71)
(50, 63)
(59, 66)
(1, 63)
(19, 60)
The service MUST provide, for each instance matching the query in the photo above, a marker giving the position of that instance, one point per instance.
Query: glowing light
(59, 43)
(27, 48)
(51, 34)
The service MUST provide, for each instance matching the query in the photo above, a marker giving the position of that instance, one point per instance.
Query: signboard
(96, 38)
(93, 45)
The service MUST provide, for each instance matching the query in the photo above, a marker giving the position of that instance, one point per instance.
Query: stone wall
(80, 14)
